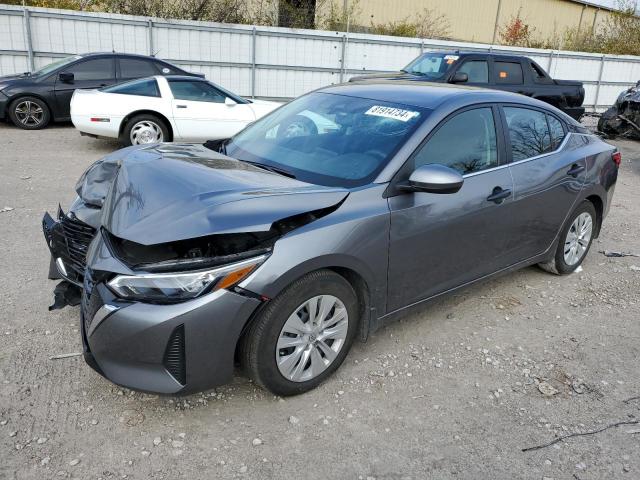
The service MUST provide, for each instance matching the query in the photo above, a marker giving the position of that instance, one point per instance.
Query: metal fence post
(421, 46)
(254, 35)
(150, 32)
(27, 32)
(550, 62)
(595, 102)
(342, 58)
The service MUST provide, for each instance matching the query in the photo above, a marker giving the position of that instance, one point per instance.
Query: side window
(196, 91)
(528, 132)
(145, 88)
(96, 69)
(477, 70)
(466, 142)
(537, 72)
(557, 131)
(136, 68)
(508, 73)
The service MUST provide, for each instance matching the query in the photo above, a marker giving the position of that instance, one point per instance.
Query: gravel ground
(453, 392)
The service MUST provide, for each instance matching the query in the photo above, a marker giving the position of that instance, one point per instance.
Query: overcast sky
(610, 3)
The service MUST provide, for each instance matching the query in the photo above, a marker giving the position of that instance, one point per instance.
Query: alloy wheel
(29, 113)
(312, 338)
(578, 238)
(146, 131)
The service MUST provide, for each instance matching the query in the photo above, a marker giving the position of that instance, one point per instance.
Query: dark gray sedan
(315, 225)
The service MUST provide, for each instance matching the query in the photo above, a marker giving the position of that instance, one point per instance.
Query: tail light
(617, 158)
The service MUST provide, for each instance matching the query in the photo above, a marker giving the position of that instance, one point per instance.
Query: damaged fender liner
(207, 251)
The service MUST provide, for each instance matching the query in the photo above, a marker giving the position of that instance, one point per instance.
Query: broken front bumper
(179, 348)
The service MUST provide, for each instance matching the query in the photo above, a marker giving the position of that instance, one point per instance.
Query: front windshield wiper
(270, 168)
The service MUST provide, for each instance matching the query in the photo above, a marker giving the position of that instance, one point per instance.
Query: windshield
(432, 65)
(57, 64)
(328, 139)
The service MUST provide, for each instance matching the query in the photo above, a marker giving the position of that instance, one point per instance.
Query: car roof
(506, 56)
(422, 94)
(118, 54)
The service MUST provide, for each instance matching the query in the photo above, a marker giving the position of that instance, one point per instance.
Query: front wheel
(303, 335)
(29, 113)
(575, 240)
(144, 129)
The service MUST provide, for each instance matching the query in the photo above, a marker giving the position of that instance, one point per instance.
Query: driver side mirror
(433, 178)
(230, 102)
(460, 77)
(66, 77)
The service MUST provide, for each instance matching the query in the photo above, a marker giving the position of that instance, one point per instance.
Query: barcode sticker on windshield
(390, 112)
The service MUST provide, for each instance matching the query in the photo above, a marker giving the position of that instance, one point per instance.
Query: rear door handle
(575, 170)
(498, 195)
(181, 106)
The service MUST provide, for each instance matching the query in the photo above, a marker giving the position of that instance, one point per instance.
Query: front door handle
(575, 170)
(498, 195)
(181, 106)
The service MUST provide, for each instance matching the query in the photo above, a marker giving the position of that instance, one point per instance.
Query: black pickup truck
(501, 72)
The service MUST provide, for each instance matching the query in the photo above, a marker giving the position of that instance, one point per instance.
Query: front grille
(174, 355)
(76, 236)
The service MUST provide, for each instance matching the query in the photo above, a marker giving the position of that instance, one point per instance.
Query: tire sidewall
(277, 313)
(46, 113)
(125, 138)
(562, 267)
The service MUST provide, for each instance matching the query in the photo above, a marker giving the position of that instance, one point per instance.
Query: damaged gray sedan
(316, 225)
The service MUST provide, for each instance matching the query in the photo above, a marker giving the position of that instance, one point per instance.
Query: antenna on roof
(155, 53)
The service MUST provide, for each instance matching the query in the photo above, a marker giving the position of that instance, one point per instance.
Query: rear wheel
(29, 113)
(303, 335)
(144, 129)
(575, 240)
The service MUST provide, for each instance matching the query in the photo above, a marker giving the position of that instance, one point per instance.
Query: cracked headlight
(175, 287)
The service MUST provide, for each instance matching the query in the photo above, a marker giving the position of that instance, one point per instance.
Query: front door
(440, 241)
(91, 73)
(201, 113)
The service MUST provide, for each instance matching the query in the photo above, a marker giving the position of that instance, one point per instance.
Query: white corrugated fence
(268, 62)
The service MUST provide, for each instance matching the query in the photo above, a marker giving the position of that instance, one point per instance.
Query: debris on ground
(614, 254)
(547, 389)
(65, 355)
(623, 118)
(6, 209)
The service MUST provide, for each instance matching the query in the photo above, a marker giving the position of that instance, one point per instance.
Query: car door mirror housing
(460, 77)
(433, 178)
(230, 102)
(66, 77)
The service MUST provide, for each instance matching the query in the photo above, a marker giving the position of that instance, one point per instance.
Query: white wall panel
(288, 62)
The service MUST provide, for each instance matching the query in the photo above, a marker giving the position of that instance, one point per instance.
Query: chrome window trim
(524, 160)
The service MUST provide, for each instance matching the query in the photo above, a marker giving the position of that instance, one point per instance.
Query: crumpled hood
(169, 192)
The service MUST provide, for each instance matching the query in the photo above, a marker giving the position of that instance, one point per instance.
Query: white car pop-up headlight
(175, 287)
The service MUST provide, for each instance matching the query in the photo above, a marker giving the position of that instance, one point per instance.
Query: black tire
(125, 136)
(258, 344)
(41, 111)
(557, 264)
(297, 126)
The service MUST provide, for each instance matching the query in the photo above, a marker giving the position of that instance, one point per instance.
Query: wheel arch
(162, 117)
(598, 204)
(20, 95)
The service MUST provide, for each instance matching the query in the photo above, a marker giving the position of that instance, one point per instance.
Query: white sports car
(164, 109)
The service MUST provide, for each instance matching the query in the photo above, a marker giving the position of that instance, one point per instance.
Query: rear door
(548, 171)
(441, 241)
(87, 73)
(200, 112)
(509, 75)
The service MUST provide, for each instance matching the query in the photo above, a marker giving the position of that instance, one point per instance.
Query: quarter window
(135, 68)
(508, 73)
(476, 70)
(144, 87)
(97, 69)
(557, 131)
(466, 142)
(196, 91)
(528, 132)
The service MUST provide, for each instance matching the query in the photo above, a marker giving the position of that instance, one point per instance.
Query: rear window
(147, 87)
(508, 73)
